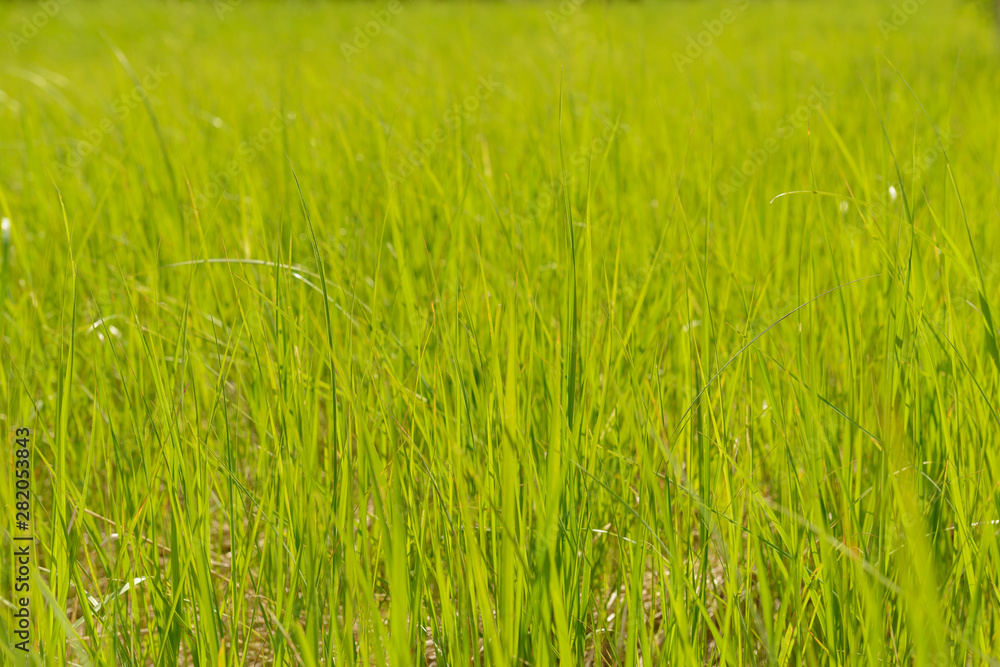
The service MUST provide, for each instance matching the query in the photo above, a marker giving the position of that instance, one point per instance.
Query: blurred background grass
(481, 410)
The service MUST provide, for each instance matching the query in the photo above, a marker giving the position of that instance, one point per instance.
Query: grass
(322, 368)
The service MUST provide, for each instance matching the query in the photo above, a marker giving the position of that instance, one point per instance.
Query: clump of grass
(549, 394)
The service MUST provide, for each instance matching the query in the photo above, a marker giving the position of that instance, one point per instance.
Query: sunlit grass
(491, 341)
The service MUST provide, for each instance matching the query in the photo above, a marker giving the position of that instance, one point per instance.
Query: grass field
(478, 333)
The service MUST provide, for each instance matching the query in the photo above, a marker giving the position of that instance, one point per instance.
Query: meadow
(495, 333)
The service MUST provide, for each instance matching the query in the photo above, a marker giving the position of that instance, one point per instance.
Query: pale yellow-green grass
(486, 338)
